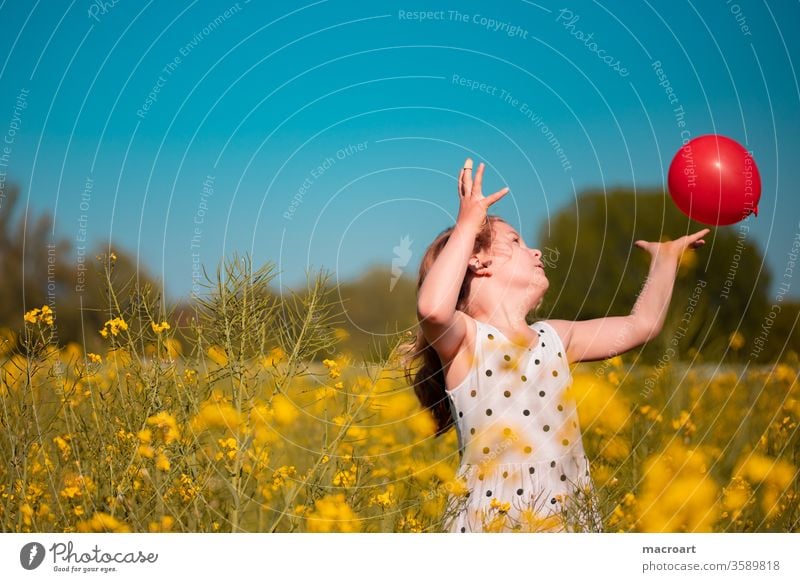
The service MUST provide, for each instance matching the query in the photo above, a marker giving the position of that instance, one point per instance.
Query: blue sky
(322, 133)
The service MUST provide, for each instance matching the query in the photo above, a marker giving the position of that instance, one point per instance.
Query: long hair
(428, 381)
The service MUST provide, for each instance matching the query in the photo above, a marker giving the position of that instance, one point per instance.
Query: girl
(501, 382)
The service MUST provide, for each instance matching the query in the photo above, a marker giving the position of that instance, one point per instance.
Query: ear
(479, 266)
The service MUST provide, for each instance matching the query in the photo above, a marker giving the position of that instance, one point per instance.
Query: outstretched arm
(606, 337)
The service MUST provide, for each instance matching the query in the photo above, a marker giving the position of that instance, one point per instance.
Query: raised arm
(606, 337)
(443, 326)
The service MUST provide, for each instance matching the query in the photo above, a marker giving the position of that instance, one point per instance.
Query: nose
(537, 253)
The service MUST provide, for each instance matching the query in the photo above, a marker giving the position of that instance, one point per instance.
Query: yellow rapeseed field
(155, 434)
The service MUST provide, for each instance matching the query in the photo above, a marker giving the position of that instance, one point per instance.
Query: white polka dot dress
(522, 456)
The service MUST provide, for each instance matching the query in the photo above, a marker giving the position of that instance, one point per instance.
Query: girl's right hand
(474, 205)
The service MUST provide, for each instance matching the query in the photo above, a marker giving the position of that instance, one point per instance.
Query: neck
(509, 315)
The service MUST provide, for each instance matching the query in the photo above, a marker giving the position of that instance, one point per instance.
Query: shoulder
(456, 337)
(562, 327)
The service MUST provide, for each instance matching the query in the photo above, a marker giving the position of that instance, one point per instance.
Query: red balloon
(714, 180)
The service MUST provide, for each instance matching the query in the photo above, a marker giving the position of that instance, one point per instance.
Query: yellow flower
(76, 485)
(186, 488)
(232, 448)
(332, 513)
(650, 413)
(63, 446)
(32, 316)
(500, 507)
(103, 522)
(346, 478)
(456, 487)
(616, 448)
(759, 468)
(409, 523)
(422, 424)
(385, 499)
(678, 493)
(228, 443)
(279, 477)
(40, 315)
(284, 410)
(114, 326)
(163, 526)
(357, 433)
(217, 415)
(94, 358)
(162, 463)
(685, 423)
(70, 492)
(736, 341)
(274, 357)
(159, 327)
(333, 368)
(784, 373)
(168, 425)
(496, 525)
(736, 495)
(534, 522)
(599, 402)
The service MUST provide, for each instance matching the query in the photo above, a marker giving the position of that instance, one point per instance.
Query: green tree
(376, 307)
(596, 271)
(38, 269)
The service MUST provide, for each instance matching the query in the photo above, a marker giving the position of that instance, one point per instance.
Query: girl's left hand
(674, 248)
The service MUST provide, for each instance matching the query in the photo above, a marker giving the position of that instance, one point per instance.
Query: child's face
(512, 258)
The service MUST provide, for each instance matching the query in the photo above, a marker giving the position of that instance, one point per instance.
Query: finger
(695, 239)
(462, 178)
(476, 187)
(468, 177)
(497, 195)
